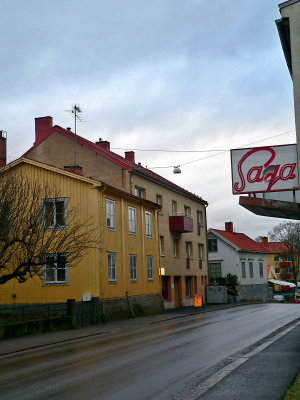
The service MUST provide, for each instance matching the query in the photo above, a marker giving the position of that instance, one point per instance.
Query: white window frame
(133, 265)
(112, 267)
(150, 274)
(54, 202)
(212, 245)
(243, 269)
(56, 268)
(139, 191)
(132, 220)
(251, 268)
(148, 223)
(261, 268)
(110, 214)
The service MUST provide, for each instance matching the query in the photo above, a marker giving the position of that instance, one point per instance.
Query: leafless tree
(288, 232)
(34, 225)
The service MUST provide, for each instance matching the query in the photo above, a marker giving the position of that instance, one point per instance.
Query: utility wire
(196, 151)
(225, 151)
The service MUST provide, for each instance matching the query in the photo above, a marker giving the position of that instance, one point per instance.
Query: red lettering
(257, 177)
(273, 173)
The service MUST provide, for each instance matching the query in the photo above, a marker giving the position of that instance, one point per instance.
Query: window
(55, 213)
(159, 200)
(277, 270)
(150, 268)
(112, 267)
(261, 269)
(110, 214)
(174, 207)
(148, 216)
(55, 269)
(212, 245)
(189, 249)
(187, 211)
(289, 258)
(162, 245)
(200, 254)
(132, 220)
(243, 267)
(139, 191)
(133, 267)
(276, 258)
(176, 247)
(188, 291)
(199, 222)
(189, 253)
(215, 271)
(290, 270)
(251, 272)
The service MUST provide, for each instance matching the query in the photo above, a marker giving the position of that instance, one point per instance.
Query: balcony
(286, 264)
(180, 223)
(286, 276)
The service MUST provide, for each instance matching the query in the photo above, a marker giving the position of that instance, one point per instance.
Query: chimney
(104, 144)
(229, 227)
(75, 169)
(43, 127)
(264, 241)
(2, 149)
(129, 155)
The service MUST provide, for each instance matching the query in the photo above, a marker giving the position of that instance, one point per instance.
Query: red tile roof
(242, 241)
(277, 247)
(117, 159)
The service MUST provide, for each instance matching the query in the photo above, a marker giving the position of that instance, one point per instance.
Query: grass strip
(294, 391)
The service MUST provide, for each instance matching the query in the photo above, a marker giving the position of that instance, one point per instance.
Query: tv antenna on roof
(76, 111)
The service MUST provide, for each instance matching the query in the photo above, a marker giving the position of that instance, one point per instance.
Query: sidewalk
(266, 375)
(12, 345)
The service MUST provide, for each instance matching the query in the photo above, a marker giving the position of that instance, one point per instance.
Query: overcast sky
(161, 74)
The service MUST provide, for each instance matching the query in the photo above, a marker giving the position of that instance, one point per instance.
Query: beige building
(182, 218)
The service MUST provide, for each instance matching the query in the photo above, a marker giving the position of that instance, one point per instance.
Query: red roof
(117, 159)
(242, 241)
(277, 247)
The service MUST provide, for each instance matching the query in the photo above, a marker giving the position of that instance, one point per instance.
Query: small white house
(235, 253)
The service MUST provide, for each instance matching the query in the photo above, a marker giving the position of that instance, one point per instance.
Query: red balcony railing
(286, 264)
(181, 223)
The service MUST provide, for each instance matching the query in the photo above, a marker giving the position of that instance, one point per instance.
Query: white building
(235, 253)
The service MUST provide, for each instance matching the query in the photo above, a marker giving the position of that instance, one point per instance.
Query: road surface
(149, 362)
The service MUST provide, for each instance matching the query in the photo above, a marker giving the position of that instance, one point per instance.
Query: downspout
(102, 239)
(205, 206)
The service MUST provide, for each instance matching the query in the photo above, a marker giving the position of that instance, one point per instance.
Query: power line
(225, 151)
(196, 151)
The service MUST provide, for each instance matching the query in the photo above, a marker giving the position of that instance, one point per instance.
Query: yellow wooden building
(126, 262)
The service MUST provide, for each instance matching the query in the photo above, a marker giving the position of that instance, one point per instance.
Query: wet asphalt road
(149, 362)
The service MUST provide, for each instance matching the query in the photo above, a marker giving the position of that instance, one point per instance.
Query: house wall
(90, 276)
(227, 256)
(84, 276)
(59, 150)
(121, 242)
(230, 259)
(177, 266)
(255, 258)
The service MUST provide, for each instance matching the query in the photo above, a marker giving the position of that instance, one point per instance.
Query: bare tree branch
(24, 238)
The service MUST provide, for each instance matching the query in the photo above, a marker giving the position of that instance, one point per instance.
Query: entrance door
(177, 291)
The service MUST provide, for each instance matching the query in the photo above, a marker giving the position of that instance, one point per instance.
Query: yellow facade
(179, 283)
(90, 275)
